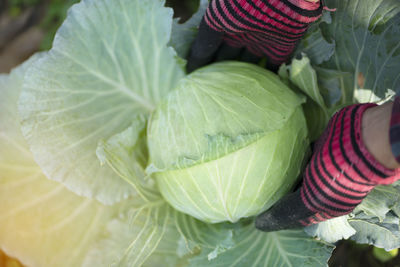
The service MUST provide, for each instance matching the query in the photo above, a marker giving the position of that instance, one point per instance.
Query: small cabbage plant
(228, 142)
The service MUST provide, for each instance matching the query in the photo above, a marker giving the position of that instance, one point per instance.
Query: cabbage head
(228, 142)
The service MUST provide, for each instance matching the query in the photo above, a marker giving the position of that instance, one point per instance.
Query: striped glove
(250, 29)
(339, 176)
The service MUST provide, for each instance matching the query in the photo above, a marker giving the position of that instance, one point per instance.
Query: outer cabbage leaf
(304, 77)
(126, 153)
(376, 219)
(109, 63)
(365, 95)
(197, 235)
(147, 237)
(369, 230)
(380, 201)
(367, 46)
(283, 248)
(44, 224)
(241, 244)
(331, 230)
(41, 222)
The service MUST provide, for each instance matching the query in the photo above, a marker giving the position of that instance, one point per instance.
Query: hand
(357, 151)
(252, 29)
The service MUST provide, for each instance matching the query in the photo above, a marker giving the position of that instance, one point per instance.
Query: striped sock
(394, 131)
(338, 177)
(342, 171)
(270, 28)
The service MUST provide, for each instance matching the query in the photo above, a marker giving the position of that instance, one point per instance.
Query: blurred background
(28, 26)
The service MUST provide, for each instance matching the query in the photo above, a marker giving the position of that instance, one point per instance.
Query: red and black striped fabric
(342, 171)
(270, 28)
(338, 177)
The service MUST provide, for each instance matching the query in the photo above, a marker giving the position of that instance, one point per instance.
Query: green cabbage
(75, 170)
(228, 142)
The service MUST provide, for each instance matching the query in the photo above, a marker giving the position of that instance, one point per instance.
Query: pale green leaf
(366, 96)
(283, 248)
(150, 222)
(369, 230)
(305, 78)
(135, 239)
(197, 234)
(302, 75)
(380, 201)
(109, 63)
(126, 153)
(41, 222)
(331, 230)
(149, 235)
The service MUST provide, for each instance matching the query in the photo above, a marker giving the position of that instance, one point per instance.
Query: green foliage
(366, 54)
(73, 98)
(76, 171)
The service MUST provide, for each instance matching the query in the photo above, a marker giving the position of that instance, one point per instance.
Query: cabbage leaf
(300, 75)
(366, 35)
(41, 222)
(370, 230)
(109, 63)
(332, 230)
(283, 248)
